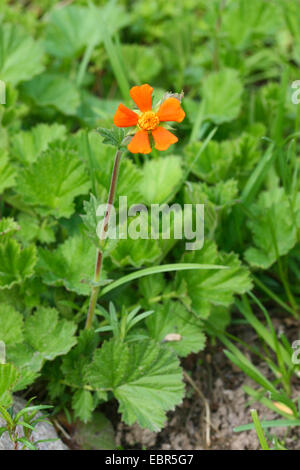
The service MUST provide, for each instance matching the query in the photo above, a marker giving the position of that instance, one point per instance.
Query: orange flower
(147, 120)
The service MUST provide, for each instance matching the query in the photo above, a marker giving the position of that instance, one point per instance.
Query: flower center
(148, 121)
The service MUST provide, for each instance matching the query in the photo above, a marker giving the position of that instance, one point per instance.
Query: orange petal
(141, 95)
(170, 110)
(140, 143)
(163, 138)
(124, 117)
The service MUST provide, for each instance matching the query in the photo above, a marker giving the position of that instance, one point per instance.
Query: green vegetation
(66, 67)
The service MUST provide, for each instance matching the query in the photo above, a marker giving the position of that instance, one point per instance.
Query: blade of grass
(203, 146)
(245, 365)
(270, 404)
(257, 176)
(84, 62)
(157, 269)
(259, 431)
(270, 337)
(282, 274)
(197, 123)
(275, 423)
(261, 330)
(92, 168)
(272, 295)
(280, 115)
(116, 64)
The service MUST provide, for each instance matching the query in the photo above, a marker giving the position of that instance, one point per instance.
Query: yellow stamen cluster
(148, 121)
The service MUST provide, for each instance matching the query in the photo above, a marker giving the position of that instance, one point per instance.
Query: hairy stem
(99, 257)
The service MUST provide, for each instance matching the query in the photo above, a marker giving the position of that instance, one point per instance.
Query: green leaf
(20, 56)
(138, 240)
(273, 228)
(8, 379)
(70, 28)
(5, 414)
(173, 318)
(222, 95)
(46, 337)
(74, 364)
(3, 429)
(208, 287)
(94, 111)
(112, 136)
(25, 358)
(162, 178)
(49, 335)
(27, 377)
(221, 194)
(137, 253)
(7, 173)
(152, 286)
(83, 405)
(16, 264)
(143, 62)
(70, 265)
(224, 160)
(90, 218)
(145, 378)
(32, 229)
(54, 180)
(11, 325)
(29, 445)
(8, 226)
(245, 22)
(224, 193)
(28, 145)
(217, 199)
(55, 90)
(220, 317)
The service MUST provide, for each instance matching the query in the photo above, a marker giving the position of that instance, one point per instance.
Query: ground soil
(221, 383)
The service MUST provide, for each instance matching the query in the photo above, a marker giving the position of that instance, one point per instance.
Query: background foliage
(66, 68)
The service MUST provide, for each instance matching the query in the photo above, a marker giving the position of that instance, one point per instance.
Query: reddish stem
(111, 197)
